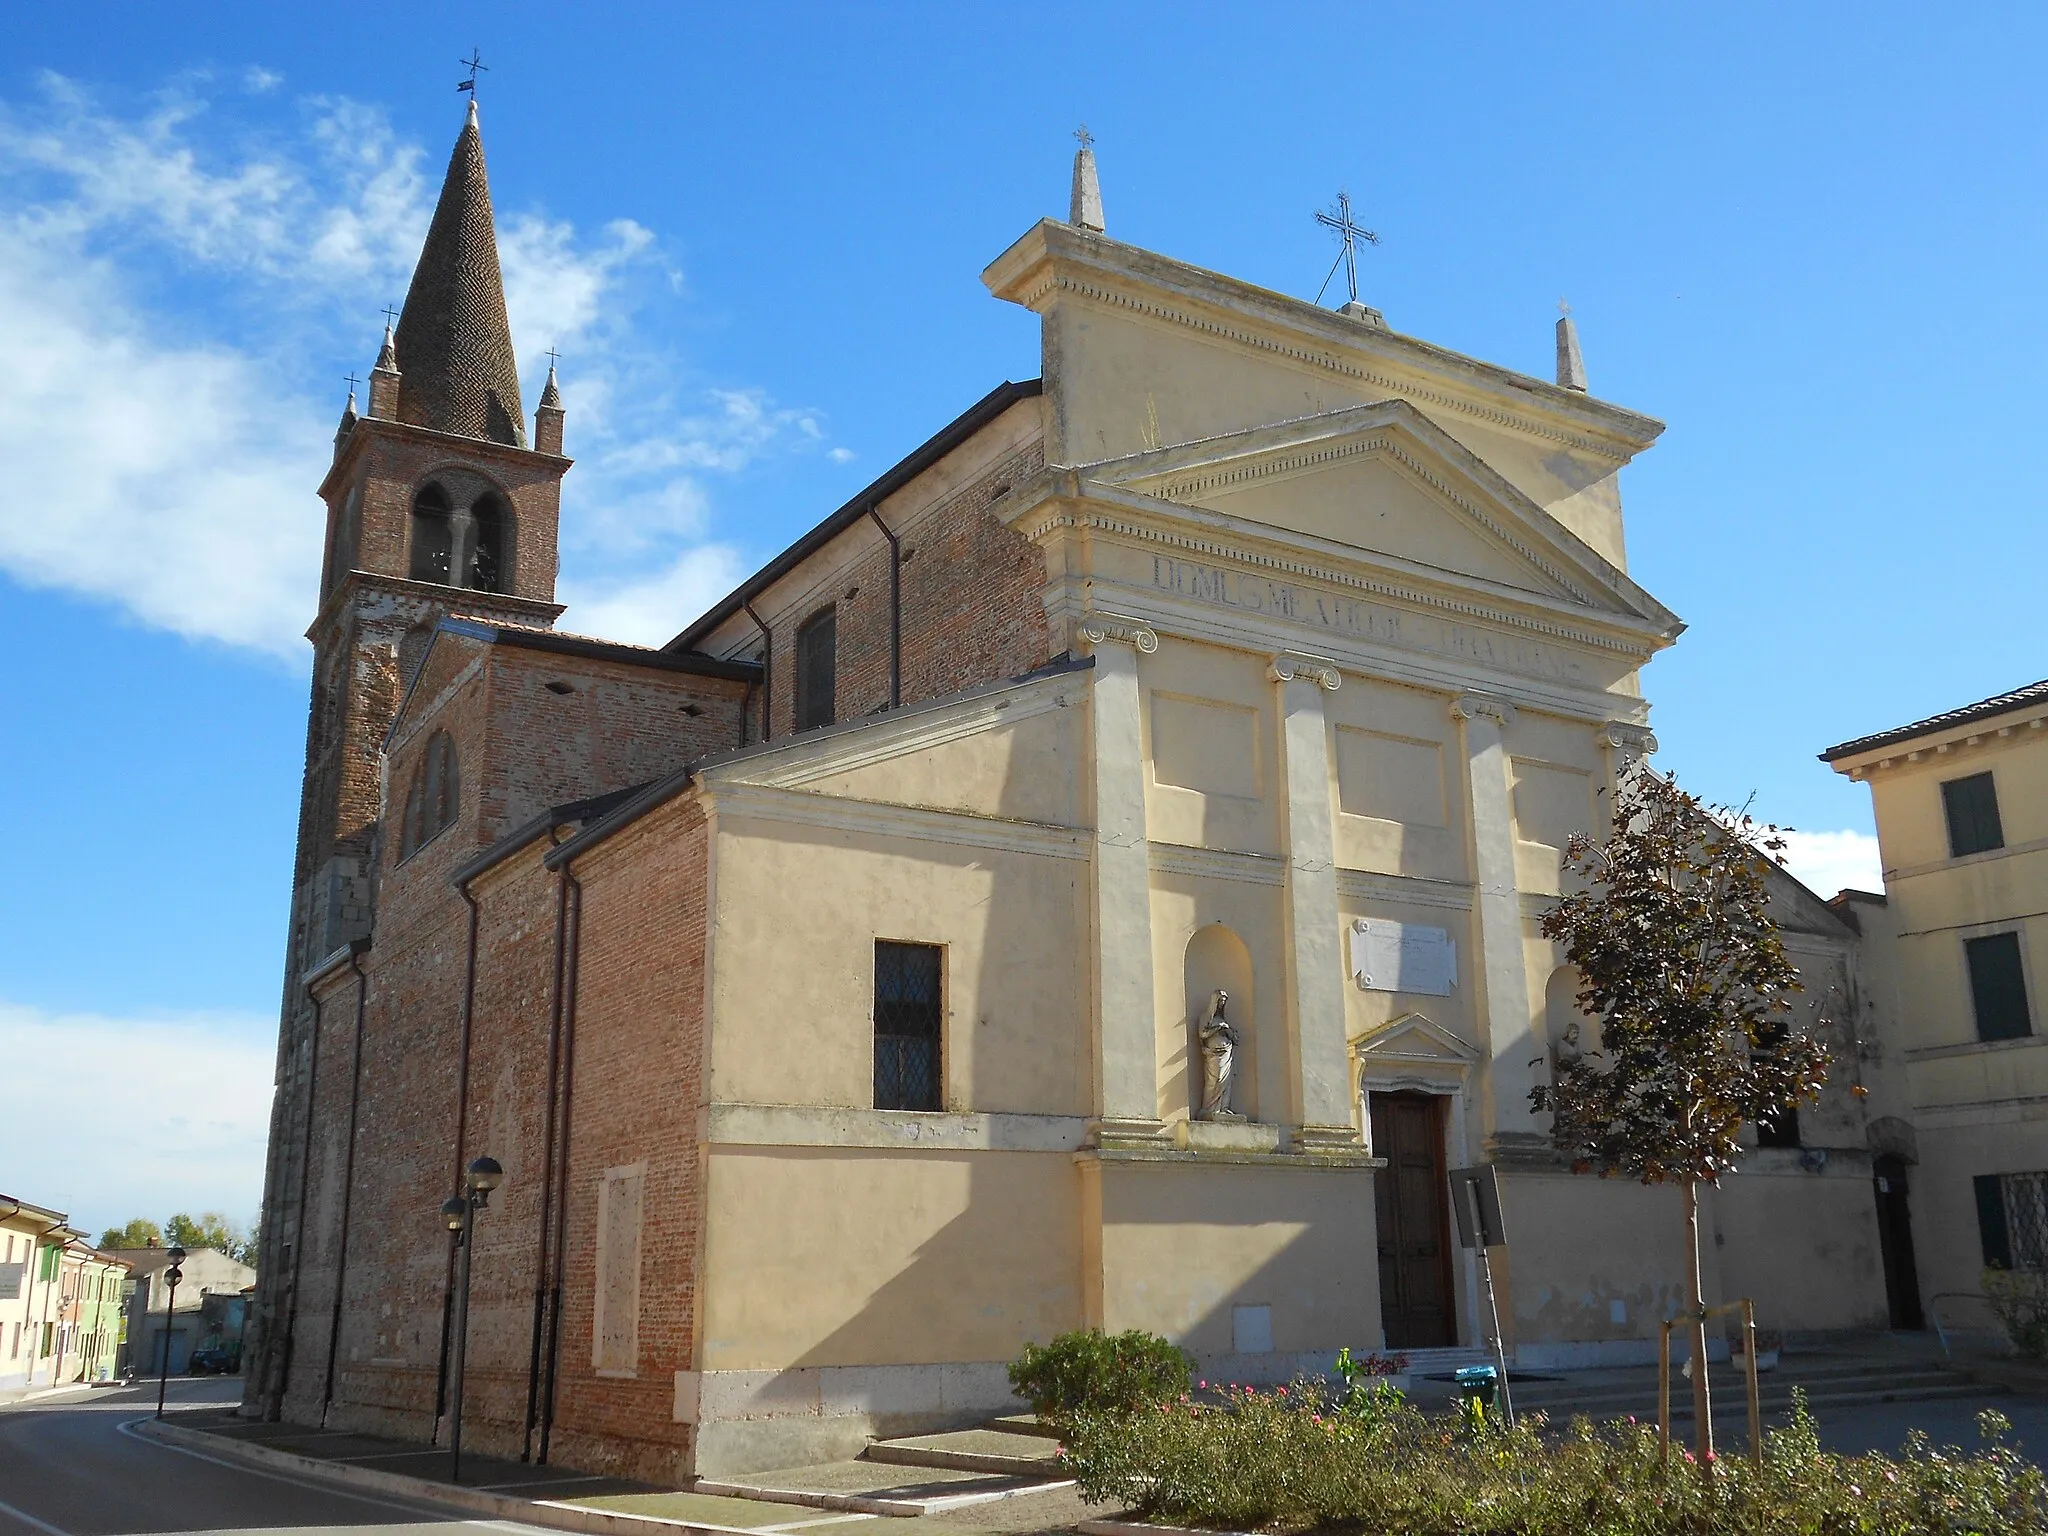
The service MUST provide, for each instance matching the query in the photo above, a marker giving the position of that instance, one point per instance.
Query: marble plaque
(1388, 956)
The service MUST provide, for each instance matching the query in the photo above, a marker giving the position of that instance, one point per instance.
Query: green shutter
(1972, 808)
(1998, 987)
(1991, 1221)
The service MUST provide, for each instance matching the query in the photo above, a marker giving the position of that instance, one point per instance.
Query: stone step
(1022, 1424)
(971, 1450)
(876, 1488)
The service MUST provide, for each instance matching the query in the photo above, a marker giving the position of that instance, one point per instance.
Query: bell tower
(436, 504)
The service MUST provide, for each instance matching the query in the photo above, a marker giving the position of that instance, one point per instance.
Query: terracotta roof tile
(1983, 709)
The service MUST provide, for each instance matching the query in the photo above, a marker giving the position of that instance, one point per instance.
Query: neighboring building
(1961, 802)
(60, 1301)
(210, 1303)
(827, 980)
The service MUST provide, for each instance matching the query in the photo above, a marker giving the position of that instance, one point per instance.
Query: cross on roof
(1084, 136)
(390, 314)
(473, 63)
(1350, 232)
(353, 381)
(553, 357)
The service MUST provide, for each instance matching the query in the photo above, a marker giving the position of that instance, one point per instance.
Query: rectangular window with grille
(1998, 987)
(2012, 1219)
(817, 659)
(1972, 808)
(909, 992)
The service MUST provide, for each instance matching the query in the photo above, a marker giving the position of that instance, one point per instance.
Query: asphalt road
(72, 1465)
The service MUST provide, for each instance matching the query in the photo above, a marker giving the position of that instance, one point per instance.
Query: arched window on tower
(432, 535)
(435, 798)
(488, 567)
(817, 647)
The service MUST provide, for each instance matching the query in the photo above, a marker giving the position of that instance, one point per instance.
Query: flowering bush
(1294, 1458)
(1111, 1373)
(2020, 1298)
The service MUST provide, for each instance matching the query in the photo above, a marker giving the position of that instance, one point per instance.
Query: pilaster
(1321, 1086)
(1501, 1004)
(1126, 1047)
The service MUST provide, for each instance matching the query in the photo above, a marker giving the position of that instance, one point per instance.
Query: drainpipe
(275, 1409)
(895, 611)
(547, 1421)
(767, 673)
(348, 1181)
(461, 1146)
(547, 1141)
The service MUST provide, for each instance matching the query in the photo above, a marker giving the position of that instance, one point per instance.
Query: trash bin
(1478, 1384)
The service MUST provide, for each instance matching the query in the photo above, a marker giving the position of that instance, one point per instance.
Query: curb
(1141, 1528)
(500, 1506)
(869, 1503)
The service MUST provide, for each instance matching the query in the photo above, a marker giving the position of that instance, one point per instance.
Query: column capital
(1625, 736)
(1102, 628)
(1301, 666)
(1470, 706)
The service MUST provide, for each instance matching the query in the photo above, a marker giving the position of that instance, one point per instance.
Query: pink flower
(1280, 1391)
(1201, 1384)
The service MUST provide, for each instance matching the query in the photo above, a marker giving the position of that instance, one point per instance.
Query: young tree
(136, 1234)
(210, 1229)
(1681, 966)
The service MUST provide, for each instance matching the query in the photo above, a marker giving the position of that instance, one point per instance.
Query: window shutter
(1998, 987)
(1971, 806)
(817, 646)
(1991, 1221)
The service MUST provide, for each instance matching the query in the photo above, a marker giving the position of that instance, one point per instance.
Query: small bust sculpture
(1218, 1039)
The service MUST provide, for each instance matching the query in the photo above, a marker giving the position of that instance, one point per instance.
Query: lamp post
(459, 1212)
(172, 1275)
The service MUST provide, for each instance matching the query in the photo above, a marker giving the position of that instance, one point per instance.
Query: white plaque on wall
(1387, 956)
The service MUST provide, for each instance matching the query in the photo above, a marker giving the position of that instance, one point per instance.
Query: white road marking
(31, 1521)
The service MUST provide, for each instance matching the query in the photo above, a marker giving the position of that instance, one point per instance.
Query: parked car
(210, 1362)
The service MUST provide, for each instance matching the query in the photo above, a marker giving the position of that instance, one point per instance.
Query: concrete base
(1226, 1136)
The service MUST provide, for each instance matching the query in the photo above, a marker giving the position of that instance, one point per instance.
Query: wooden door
(1413, 1214)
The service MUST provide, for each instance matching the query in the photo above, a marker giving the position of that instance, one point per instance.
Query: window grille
(2012, 1220)
(1972, 808)
(907, 1002)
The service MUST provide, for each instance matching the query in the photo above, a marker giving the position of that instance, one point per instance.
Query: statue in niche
(1218, 1039)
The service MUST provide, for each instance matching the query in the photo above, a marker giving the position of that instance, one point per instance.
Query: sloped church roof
(457, 372)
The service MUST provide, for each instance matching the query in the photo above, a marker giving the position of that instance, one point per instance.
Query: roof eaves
(540, 826)
(2031, 695)
(923, 457)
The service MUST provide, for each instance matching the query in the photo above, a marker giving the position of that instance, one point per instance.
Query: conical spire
(348, 420)
(454, 346)
(1085, 209)
(547, 416)
(1571, 367)
(550, 396)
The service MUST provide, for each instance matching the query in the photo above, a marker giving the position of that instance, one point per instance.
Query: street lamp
(173, 1275)
(459, 1212)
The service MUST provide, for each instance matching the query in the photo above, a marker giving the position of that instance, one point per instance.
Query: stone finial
(1085, 209)
(1571, 367)
(547, 416)
(385, 378)
(348, 420)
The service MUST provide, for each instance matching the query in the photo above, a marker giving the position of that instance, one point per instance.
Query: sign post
(1475, 1202)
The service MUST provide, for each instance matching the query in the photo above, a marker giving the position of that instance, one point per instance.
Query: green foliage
(136, 1234)
(2020, 1299)
(211, 1229)
(1681, 964)
(1292, 1459)
(1097, 1372)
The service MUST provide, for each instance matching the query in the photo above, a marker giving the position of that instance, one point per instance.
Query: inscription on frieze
(1252, 593)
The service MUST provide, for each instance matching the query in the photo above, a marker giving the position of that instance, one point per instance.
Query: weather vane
(1350, 232)
(1084, 136)
(473, 63)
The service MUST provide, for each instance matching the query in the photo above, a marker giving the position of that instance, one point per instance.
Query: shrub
(2020, 1298)
(1285, 1459)
(1093, 1371)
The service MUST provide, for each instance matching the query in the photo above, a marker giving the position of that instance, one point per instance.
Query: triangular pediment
(1385, 480)
(1413, 1040)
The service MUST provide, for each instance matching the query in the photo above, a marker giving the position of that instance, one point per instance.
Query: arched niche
(1567, 1031)
(463, 532)
(1217, 960)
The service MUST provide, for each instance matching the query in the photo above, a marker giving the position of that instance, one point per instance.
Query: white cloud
(165, 279)
(650, 610)
(183, 1117)
(1827, 862)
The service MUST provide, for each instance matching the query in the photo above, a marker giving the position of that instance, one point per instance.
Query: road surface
(73, 1465)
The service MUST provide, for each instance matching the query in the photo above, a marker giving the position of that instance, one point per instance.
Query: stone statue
(1218, 1038)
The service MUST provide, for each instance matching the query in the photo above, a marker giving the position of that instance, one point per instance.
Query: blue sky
(1811, 241)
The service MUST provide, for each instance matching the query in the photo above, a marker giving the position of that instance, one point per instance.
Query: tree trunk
(1696, 1333)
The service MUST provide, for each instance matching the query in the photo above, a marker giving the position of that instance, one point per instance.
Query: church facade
(840, 984)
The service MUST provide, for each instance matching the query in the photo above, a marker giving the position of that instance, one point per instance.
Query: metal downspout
(767, 673)
(547, 1188)
(547, 1421)
(895, 611)
(348, 1180)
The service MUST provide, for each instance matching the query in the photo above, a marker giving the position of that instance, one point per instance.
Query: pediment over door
(1412, 1052)
(1385, 480)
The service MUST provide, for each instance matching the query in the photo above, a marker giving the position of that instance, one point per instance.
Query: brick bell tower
(436, 503)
